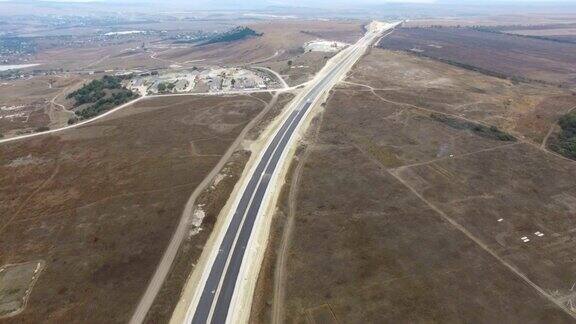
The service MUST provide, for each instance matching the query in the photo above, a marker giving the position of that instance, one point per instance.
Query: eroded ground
(99, 203)
(401, 216)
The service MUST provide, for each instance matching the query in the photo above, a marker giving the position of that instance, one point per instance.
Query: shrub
(565, 143)
(491, 132)
(103, 94)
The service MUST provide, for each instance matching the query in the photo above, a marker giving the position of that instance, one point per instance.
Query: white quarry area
(15, 67)
(321, 45)
(378, 25)
(10, 108)
(127, 32)
(217, 79)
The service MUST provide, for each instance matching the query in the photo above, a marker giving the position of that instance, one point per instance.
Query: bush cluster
(491, 132)
(103, 94)
(566, 141)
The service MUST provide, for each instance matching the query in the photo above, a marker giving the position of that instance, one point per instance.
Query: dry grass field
(99, 203)
(401, 216)
(280, 40)
(99, 57)
(562, 32)
(507, 55)
(517, 18)
(526, 110)
(41, 102)
(303, 66)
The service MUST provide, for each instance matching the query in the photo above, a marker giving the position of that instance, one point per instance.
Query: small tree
(290, 63)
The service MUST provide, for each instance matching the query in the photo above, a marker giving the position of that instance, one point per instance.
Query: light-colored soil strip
(544, 145)
(37, 270)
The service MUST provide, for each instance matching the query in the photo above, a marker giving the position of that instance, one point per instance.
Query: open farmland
(498, 19)
(499, 54)
(98, 204)
(402, 216)
(560, 32)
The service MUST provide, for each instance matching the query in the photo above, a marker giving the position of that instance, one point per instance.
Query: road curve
(213, 298)
(276, 74)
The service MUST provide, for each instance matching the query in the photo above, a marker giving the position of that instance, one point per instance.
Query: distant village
(217, 79)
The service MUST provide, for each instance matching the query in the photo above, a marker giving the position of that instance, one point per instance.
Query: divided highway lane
(214, 302)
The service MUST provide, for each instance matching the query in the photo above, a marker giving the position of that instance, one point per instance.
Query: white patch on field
(320, 45)
(26, 160)
(17, 66)
(219, 177)
(127, 32)
(435, 46)
(9, 108)
(197, 218)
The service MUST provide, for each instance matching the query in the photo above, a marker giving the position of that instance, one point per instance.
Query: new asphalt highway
(218, 287)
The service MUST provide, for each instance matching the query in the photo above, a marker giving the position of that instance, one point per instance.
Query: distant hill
(235, 34)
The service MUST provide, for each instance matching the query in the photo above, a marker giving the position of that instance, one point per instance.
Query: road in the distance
(215, 292)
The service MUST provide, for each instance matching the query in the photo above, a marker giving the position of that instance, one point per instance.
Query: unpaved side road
(280, 268)
(168, 258)
(255, 145)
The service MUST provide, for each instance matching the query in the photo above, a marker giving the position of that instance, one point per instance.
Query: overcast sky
(450, 6)
(304, 2)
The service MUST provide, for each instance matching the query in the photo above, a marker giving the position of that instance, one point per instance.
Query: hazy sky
(411, 6)
(302, 2)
